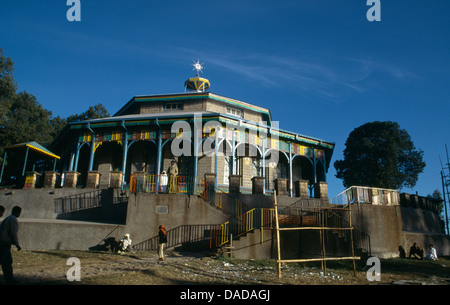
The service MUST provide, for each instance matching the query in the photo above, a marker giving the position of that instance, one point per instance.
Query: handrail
(220, 199)
(257, 218)
(177, 236)
(86, 200)
(148, 183)
(370, 195)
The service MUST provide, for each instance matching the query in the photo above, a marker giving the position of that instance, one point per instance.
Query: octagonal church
(177, 142)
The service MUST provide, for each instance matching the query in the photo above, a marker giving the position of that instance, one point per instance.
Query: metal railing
(257, 218)
(371, 195)
(163, 184)
(88, 200)
(223, 200)
(178, 236)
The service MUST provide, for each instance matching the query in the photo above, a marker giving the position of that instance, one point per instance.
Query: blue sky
(320, 66)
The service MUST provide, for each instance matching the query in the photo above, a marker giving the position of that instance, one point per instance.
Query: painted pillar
(216, 151)
(196, 152)
(125, 156)
(233, 157)
(264, 162)
(290, 170)
(3, 166)
(77, 156)
(158, 155)
(91, 157)
(25, 161)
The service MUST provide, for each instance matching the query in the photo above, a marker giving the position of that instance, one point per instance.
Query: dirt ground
(144, 268)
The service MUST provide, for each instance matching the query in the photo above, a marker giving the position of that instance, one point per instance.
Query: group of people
(416, 252)
(8, 237)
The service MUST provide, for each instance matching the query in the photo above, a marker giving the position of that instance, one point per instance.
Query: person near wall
(431, 253)
(8, 237)
(173, 173)
(415, 252)
(163, 182)
(162, 241)
(125, 244)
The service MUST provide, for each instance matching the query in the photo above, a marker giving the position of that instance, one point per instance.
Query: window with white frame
(234, 111)
(173, 106)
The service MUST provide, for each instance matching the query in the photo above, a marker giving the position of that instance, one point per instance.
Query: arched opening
(108, 153)
(141, 157)
(82, 167)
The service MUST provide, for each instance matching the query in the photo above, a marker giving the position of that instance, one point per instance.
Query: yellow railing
(254, 219)
(147, 183)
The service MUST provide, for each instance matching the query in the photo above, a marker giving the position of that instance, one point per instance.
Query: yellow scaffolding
(322, 228)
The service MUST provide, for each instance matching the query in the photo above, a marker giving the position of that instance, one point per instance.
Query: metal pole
(277, 228)
(290, 171)
(196, 152)
(445, 202)
(159, 155)
(25, 161)
(351, 238)
(3, 166)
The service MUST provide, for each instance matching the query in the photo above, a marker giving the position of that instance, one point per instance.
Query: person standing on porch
(173, 173)
(163, 182)
(162, 241)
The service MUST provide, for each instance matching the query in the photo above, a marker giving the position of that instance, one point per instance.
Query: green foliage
(380, 154)
(23, 119)
(94, 112)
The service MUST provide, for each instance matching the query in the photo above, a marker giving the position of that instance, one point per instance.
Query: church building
(205, 135)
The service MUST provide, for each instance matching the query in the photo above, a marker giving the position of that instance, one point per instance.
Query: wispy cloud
(328, 77)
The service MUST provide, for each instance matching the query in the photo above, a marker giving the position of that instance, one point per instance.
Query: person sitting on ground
(125, 244)
(415, 252)
(431, 253)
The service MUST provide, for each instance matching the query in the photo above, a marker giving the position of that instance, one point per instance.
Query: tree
(94, 112)
(27, 121)
(7, 88)
(22, 117)
(380, 154)
(437, 196)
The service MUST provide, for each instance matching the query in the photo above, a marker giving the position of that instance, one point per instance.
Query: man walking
(8, 237)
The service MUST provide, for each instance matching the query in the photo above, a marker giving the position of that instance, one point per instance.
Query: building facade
(204, 133)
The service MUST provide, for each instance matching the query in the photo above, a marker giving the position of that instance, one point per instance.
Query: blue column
(91, 157)
(158, 156)
(77, 156)
(196, 142)
(72, 156)
(125, 156)
(233, 149)
(290, 170)
(216, 151)
(3, 166)
(25, 162)
(264, 162)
